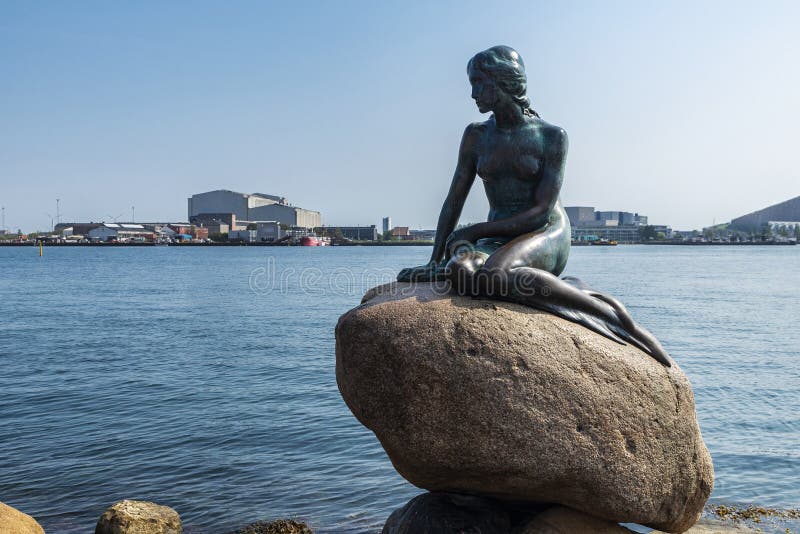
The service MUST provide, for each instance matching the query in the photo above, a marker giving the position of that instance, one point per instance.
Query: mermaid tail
(624, 330)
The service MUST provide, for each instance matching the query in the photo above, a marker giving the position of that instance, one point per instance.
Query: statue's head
(499, 68)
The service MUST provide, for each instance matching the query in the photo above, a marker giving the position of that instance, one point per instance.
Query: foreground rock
(563, 520)
(503, 401)
(710, 526)
(449, 513)
(12, 521)
(139, 517)
(279, 526)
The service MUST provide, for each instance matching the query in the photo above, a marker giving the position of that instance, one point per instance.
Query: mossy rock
(280, 526)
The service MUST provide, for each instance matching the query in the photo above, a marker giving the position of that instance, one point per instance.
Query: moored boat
(313, 241)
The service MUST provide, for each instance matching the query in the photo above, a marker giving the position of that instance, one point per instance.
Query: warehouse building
(121, 232)
(252, 207)
(356, 233)
(788, 210)
(588, 224)
(587, 216)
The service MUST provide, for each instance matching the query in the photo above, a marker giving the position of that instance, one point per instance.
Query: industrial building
(120, 232)
(621, 234)
(251, 207)
(423, 235)
(269, 231)
(356, 233)
(588, 224)
(587, 216)
(214, 219)
(786, 213)
(264, 232)
(580, 214)
(623, 218)
(76, 228)
(246, 236)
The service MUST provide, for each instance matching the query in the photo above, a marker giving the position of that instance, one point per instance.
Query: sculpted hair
(506, 68)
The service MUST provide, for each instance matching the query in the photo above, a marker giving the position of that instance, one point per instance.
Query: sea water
(203, 378)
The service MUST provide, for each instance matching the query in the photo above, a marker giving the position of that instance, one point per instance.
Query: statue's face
(484, 90)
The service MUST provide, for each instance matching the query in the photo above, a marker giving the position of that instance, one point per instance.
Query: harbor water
(203, 378)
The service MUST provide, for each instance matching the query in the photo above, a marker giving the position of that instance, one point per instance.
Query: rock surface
(563, 520)
(279, 526)
(504, 401)
(12, 521)
(448, 513)
(139, 517)
(710, 526)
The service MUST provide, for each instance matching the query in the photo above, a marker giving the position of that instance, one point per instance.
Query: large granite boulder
(504, 401)
(12, 521)
(139, 517)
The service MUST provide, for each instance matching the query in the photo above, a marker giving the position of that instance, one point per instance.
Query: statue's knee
(461, 270)
(459, 273)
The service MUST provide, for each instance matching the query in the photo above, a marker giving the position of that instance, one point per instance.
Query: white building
(120, 232)
(224, 201)
(269, 231)
(288, 215)
(248, 236)
(252, 207)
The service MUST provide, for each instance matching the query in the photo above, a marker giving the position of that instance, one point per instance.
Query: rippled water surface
(195, 378)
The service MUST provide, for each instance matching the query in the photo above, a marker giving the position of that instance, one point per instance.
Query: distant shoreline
(376, 244)
(724, 243)
(223, 244)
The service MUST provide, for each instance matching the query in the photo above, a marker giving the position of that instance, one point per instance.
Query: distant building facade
(247, 236)
(623, 218)
(288, 215)
(583, 216)
(387, 224)
(777, 225)
(401, 232)
(217, 228)
(621, 234)
(269, 231)
(356, 233)
(251, 207)
(209, 219)
(579, 214)
(224, 201)
(77, 228)
(120, 232)
(788, 210)
(423, 235)
(588, 224)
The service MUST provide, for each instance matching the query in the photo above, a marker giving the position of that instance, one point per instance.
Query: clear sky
(688, 112)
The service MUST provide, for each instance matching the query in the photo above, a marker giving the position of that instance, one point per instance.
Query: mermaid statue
(518, 254)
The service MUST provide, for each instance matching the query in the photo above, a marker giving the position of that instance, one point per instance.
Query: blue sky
(684, 111)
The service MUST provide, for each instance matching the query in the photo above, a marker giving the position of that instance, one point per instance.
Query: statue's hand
(421, 273)
(462, 236)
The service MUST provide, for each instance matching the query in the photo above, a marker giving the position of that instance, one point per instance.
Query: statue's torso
(509, 163)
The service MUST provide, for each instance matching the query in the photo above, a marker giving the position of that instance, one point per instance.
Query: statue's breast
(508, 160)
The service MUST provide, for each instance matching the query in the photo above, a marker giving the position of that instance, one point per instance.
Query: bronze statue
(519, 252)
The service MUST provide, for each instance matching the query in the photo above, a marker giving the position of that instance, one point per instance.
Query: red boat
(313, 241)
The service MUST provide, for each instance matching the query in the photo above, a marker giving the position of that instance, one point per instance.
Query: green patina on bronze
(522, 248)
